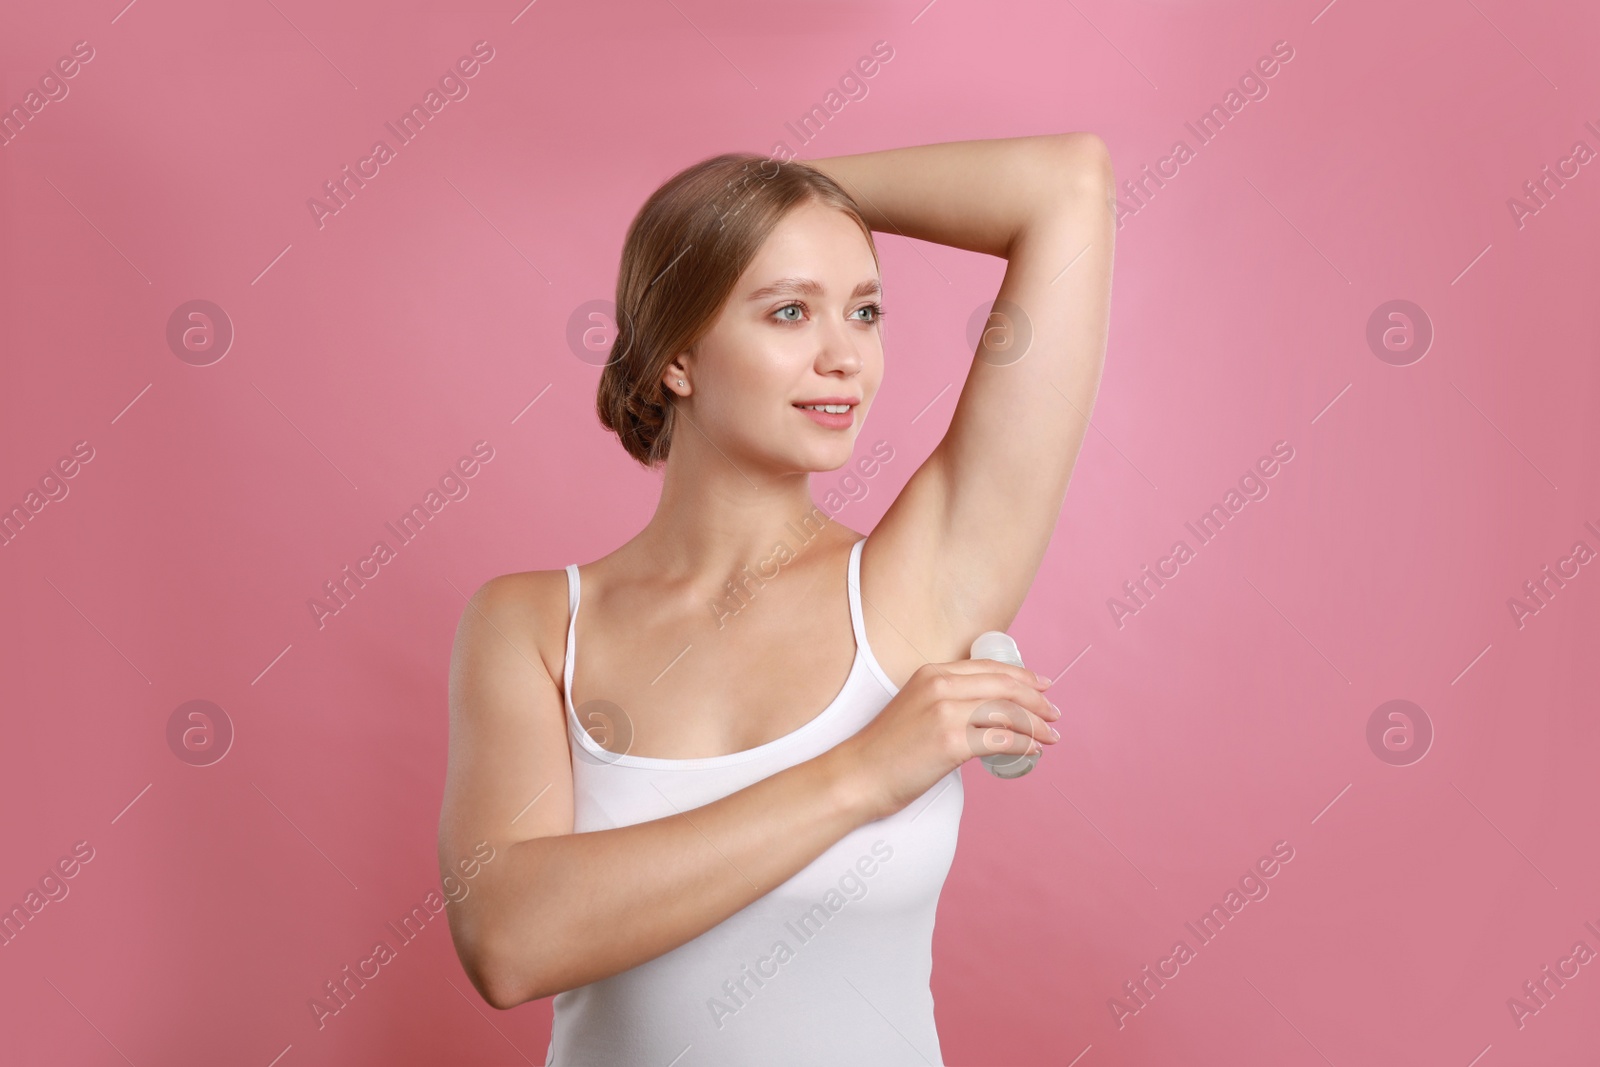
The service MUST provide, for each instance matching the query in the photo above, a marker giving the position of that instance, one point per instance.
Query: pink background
(1230, 713)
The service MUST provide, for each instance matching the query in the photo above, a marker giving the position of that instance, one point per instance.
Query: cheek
(747, 390)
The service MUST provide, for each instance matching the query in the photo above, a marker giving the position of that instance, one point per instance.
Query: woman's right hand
(946, 714)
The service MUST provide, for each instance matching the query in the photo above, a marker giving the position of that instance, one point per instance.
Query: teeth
(837, 409)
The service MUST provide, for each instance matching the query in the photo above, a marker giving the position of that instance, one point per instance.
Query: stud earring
(680, 382)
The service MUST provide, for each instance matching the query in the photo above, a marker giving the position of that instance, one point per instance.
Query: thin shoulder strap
(573, 591)
(856, 622)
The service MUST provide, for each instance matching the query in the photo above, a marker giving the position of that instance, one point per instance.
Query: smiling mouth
(836, 417)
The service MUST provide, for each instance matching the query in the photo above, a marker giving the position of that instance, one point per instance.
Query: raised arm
(958, 549)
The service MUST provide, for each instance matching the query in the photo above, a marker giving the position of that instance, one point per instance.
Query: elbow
(503, 983)
(1082, 162)
(500, 986)
(506, 982)
(497, 987)
(511, 957)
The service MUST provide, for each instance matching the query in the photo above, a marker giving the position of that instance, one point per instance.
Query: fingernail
(1042, 679)
(1053, 707)
(1054, 736)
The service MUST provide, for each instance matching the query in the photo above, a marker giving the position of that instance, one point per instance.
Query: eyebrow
(808, 287)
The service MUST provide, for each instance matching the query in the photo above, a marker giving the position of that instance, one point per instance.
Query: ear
(678, 368)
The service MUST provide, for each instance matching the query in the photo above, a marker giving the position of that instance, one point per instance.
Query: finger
(993, 685)
(1032, 679)
(1009, 715)
(997, 740)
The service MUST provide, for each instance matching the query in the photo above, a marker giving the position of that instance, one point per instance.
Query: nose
(841, 350)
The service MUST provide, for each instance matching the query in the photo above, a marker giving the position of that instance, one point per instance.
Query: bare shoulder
(507, 731)
(524, 611)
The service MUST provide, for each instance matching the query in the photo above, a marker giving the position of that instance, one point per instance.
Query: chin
(832, 459)
(812, 457)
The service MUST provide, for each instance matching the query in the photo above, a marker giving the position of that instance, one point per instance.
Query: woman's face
(799, 326)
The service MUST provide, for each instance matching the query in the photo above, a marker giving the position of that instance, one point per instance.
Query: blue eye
(876, 309)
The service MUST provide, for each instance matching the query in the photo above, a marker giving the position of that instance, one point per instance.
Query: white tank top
(831, 967)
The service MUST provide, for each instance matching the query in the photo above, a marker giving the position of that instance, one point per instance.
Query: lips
(831, 420)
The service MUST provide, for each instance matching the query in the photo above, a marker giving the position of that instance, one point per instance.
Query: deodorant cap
(997, 645)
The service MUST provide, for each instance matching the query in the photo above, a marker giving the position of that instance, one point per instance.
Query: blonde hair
(683, 254)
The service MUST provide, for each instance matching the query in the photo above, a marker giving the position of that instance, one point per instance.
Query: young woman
(701, 866)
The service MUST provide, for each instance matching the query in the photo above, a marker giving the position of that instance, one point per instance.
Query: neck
(717, 516)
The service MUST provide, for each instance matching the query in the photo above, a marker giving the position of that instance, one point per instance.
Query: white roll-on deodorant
(998, 645)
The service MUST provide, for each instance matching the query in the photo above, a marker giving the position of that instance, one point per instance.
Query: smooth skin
(953, 556)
